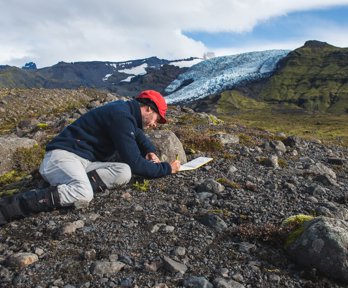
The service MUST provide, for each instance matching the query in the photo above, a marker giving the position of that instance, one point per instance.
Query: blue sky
(277, 29)
(288, 31)
(47, 32)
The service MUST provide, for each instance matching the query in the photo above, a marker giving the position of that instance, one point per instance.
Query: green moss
(297, 219)
(10, 177)
(282, 163)
(227, 155)
(202, 141)
(8, 193)
(295, 227)
(42, 125)
(142, 187)
(69, 106)
(228, 183)
(214, 120)
(293, 236)
(246, 140)
(26, 160)
(193, 119)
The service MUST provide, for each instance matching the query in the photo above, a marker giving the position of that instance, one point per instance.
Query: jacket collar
(135, 111)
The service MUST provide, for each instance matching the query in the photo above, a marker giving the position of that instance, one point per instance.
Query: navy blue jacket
(115, 128)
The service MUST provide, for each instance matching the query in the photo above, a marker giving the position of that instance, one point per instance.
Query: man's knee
(86, 197)
(125, 174)
(113, 175)
(70, 194)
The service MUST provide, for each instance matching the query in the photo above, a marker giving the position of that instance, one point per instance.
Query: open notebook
(195, 163)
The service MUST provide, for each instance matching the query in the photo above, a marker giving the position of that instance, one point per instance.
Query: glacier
(222, 73)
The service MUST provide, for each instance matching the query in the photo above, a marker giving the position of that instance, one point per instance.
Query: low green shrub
(142, 187)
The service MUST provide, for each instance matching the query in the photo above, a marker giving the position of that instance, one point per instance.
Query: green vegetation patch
(142, 187)
(295, 227)
(42, 125)
(26, 163)
(37, 102)
(314, 78)
(235, 100)
(329, 128)
(28, 159)
(10, 177)
(203, 143)
(228, 183)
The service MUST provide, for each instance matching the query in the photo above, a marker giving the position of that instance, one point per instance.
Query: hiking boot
(24, 204)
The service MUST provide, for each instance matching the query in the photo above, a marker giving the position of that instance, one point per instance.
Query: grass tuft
(142, 187)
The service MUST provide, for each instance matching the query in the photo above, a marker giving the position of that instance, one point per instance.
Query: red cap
(159, 101)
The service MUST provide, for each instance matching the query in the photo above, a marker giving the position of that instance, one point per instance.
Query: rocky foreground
(221, 225)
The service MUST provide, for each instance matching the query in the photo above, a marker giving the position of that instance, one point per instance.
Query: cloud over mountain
(47, 32)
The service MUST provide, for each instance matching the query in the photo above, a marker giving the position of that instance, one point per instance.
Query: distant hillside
(313, 77)
(127, 78)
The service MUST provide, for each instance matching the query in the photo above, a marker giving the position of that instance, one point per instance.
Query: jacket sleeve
(123, 134)
(144, 143)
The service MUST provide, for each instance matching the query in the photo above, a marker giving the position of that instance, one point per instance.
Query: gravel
(217, 226)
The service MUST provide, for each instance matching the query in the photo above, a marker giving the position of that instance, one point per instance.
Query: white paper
(195, 163)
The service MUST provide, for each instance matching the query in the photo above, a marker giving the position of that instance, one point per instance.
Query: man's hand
(175, 166)
(152, 157)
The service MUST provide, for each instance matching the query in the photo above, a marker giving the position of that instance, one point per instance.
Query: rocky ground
(217, 226)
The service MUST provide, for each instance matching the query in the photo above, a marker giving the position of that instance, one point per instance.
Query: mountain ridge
(312, 77)
(111, 76)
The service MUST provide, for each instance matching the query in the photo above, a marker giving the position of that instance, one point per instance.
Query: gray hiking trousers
(68, 172)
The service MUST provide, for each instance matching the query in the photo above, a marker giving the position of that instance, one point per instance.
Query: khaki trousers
(68, 172)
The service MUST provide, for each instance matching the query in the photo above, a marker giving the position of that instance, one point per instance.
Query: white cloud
(115, 30)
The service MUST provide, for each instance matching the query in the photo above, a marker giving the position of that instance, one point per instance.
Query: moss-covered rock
(9, 146)
(323, 245)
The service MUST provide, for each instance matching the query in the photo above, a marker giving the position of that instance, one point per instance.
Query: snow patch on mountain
(106, 77)
(138, 67)
(185, 63)
(222, 73)
(137, 70)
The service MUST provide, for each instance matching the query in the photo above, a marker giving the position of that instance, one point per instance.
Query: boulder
(226, 139)
(323, 245)
(106, 268)
(8, 147)
(210, 185)
(292, 141)
(168, 145)
(279, 146)
(22, 259)
(319, 169)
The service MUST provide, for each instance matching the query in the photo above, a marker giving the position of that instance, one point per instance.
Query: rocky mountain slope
(313, 77)
(217, 226)
(128, 77)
